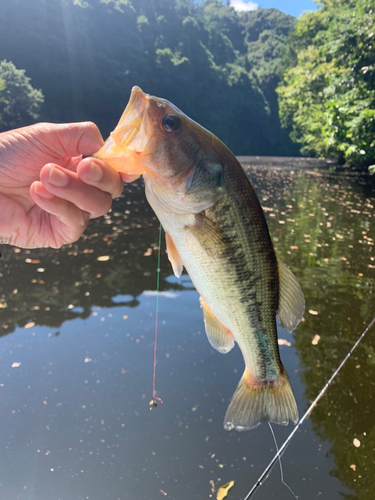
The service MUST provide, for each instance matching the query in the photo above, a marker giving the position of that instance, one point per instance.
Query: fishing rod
(282, 449)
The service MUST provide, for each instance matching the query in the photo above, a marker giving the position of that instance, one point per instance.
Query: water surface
(76, 357)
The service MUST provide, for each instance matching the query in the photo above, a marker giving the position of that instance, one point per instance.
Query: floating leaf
(314, 313)
(103, 258)
(222, 492)
(315, 340)
(283, 342)
(356, 442)
(29, 325)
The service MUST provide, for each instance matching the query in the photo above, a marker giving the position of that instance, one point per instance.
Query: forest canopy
(217, 65)
(262, 81)
(20, 103)
(328, 92)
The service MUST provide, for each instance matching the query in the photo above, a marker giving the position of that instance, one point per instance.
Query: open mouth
(129, 138)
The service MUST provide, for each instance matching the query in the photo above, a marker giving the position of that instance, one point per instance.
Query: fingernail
(43, 193)
(95, 173)
(57, 177)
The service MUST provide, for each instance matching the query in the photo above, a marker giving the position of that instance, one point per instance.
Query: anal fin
(173, 256)
(219, 337)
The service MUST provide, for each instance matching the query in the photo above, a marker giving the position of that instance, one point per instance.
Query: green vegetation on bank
(263, 82)
(217, 65)
(328, 93)
(19, 102)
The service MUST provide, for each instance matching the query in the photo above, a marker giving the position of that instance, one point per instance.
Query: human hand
(48, 192)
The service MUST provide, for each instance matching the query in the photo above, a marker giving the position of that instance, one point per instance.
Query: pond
(76, 357)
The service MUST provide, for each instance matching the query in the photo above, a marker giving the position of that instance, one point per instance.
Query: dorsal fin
(173, 256)
(219, 337)
(291, 301)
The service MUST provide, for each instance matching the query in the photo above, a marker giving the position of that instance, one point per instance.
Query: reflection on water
(76, 371)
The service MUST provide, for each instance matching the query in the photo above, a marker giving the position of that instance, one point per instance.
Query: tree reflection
(47, 286)
(323, 226)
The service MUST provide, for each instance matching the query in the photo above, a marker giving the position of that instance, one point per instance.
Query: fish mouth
(128, 140)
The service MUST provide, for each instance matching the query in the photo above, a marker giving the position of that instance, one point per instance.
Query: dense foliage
(19, 102)
(217, 65)
(328, 93)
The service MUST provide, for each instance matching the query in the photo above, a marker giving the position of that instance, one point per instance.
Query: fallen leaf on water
(163, 492)
(283, 342)
(353, 466)
(356, 442)
(16, 365)
(29, 325)
(212, 484)
(222, 492)
(315, 340)
(103, 258)
(314, 313)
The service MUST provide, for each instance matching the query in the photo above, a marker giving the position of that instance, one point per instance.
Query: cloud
(241, 5)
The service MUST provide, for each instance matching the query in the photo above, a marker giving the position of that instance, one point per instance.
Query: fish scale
(256, 274)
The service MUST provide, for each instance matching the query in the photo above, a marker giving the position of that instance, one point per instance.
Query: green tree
(328, 95)
(86, 55)
(19, 102)
(265, 33)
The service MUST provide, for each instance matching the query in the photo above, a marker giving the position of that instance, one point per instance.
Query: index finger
(68, 139)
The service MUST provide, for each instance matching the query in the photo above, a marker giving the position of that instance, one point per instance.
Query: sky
(292, 7)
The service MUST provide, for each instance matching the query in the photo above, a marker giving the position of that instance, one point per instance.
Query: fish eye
(171, 123)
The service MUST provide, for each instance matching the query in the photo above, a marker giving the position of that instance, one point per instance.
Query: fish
(215, 228)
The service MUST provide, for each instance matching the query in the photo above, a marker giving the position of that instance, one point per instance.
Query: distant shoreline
(285, 161)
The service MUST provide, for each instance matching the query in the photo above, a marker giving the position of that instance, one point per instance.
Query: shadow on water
(76, 373)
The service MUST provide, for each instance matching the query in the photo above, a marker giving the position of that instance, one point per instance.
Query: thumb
(70, 139)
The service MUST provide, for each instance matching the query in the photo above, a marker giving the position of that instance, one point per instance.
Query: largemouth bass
(216, 229)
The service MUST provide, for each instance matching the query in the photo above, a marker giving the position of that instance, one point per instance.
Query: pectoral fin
(212, 238)
(291, 301)
(173, 256)
(219, 337)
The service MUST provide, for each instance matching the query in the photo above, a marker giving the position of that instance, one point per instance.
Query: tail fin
(255, 402)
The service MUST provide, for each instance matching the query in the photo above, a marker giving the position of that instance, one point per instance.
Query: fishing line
(280, 452)
(281, 467)
(154, 402)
